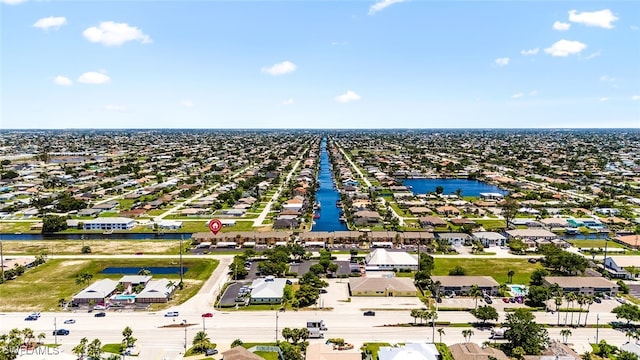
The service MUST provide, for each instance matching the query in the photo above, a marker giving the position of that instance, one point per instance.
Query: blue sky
(319, 64)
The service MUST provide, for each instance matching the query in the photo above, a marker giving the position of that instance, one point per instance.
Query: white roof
(410, 351)
(98, 289)
(489, 235)
(384, 257)
(155, 289)
(110, 220)
(273, 288)
(626, 261)
(531, 233)
(135, 279)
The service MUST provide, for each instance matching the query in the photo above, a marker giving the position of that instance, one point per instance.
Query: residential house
(240, 353)
(107, 206)
(473, 351)
(624, 267)
(448, 210)
(489, 238)
(531, 234)
(409, 351)
(432, 221)
(322, 351)
(366, 217)
(632, 241)
(130, 282)
(382, 286)
(286, 224)
(454, 239)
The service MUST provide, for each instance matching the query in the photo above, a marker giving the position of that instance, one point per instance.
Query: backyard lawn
(67, 247)
(42, 287)
(596, 243)
(496, 268)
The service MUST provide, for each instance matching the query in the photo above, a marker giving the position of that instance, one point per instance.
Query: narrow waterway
(327, 195)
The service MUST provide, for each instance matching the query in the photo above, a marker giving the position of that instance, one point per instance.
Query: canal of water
(327, 195)
(468, 187)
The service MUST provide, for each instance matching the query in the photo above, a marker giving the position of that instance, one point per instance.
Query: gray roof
(489, 235)
(581, 281)
(135, 279)
(380, 284)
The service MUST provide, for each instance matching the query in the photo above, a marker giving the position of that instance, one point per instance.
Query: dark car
(488, 300)
(369, 313)
(207, 315)
(210, 352)
(100, 314)
(597, 300)
(439, 300)
(323, 291)
(30, 318)
(61, 332)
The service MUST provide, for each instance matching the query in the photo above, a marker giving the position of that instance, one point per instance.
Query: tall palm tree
(434, 317)
(582, 300)
(441, 332)
(201, 342)
(510, 275)
(589, 300)
(558, 302)
(475, 292)
(571, 298)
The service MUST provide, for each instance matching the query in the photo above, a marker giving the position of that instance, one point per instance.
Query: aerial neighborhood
(388, 244)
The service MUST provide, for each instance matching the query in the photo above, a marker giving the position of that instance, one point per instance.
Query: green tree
(128, 339)
(236, 342)
(53, 224)
(467, 334)
(524, 332)
(457, 271)
(509, 209)
(627, 355)
(629, 312)
(510, 274)
(485, 313)
(86, 249)
(80, 350)
(94, 350)
(537, 277)
(441, 332)
(537, 295)
(475, 293)
(565, 333)
(201, 342)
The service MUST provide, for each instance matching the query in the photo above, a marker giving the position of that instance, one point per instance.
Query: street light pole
(185, 340)
(203, 326)
(55, 331)
(597, 326)
(277, 327)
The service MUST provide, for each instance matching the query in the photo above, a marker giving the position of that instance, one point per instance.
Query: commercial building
(369, 286)
(381, 259)
(460, 285)
(586, 285)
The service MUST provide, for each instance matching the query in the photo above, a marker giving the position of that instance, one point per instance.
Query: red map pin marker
(215, 225)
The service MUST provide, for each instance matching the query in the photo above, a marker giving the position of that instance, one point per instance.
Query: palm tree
(571, 297)
(81, 349)
(582, 300)
(587, 356)
(558, 302)
(434, 317)
(475, 292)
(28, 335)
(415, 314)
(510, 275)
(41, 338)
(629, 334)
(588, 300)
(467, 334)
(565, 333)
(94, 350)
(441, 332)
(201, 342)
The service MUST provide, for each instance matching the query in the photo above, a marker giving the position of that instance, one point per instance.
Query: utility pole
(55, 331)
(1, 260)
(181, 283)
(277, 327)
(597, 326)
(185, 340)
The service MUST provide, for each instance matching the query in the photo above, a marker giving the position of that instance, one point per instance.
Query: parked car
(597, 300)
(100, 314)
(210, 352)
(61, 332)
(171, 314)
(369, 313)
(30, 318)
(505, 300)
(207, 315)
(35, 314)
(488, 300)
(323, 291)
(70, 321)
(99, 307)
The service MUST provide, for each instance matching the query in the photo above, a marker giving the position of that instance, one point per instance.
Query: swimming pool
(121, 297)
(518, 290)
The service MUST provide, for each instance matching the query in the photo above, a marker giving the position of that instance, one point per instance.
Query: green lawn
(373, 348)
(40, 288)
(598, 243)
(496, 268)
(490, 225)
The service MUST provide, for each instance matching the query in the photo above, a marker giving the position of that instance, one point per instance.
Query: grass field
(39, 289)
(496, 268)
(70, 247)
(373, 348)
(598, 243)
(490, 225)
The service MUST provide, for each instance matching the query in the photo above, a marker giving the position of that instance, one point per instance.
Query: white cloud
(603, 99)
(635, 97)
(517, 95)
(187, 103)
(607, 78)
(561, 26)
(565, 48)
(634, 27)
(529, 52)
(382, 4)
(62, 81)
(533, 93)
(112, 107)
(348, 97)
(50, 22)
(288, 102)
(282, 68)
(602, 18)
(110, 33)
(593, 55)
(93, 77)
(12, 2)
(502, 61)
